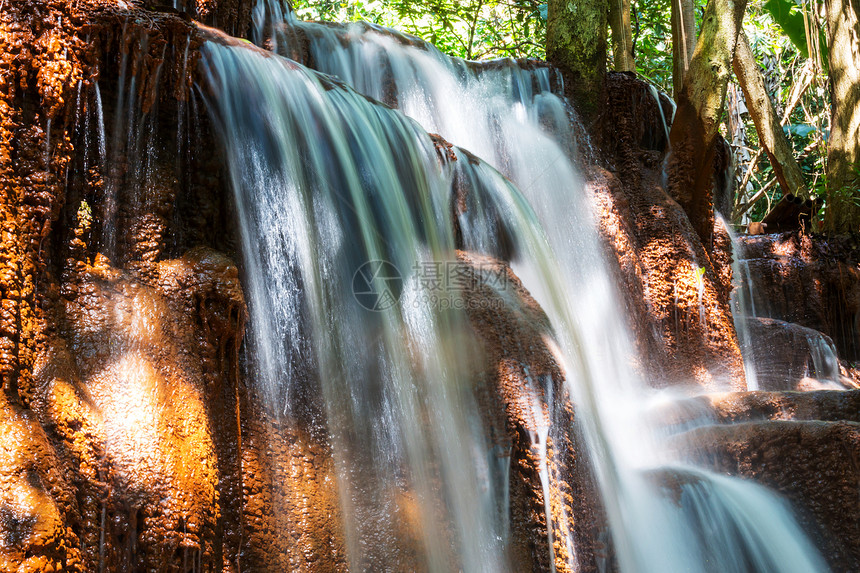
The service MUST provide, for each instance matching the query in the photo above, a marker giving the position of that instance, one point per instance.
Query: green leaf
(790, 18)
(800, 129)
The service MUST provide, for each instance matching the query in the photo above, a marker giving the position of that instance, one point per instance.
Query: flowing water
(342, 201)
(339, 197)
(742, 307)
(822, 363)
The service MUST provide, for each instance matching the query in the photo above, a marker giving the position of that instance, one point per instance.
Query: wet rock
(291, 517)
(739, 407)
(36, 502)
(849, 375)
(676, 292)
(808, 279)
(676, 289)
(129, 394)
(788, 356)
(521, 390)
(232, 16)
(633, 127)
(812, 463)
(823, 405)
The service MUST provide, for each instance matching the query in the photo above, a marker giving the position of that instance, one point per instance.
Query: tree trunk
(683, 41)
(770, 134)
(700, 105)
(622, 35)
(576, 44)
(843, 147)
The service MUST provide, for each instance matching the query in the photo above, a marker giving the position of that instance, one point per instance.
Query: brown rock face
(812, 463)
(127, 391)
(119, 378)
(291, 517)
(35, 499)
(40, 63)
(521, 387)
(808, 279)
(736, 407)
(677, 291)
(232, 16)
(788, 356)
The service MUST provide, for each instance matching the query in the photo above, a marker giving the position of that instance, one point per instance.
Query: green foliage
(783, 66)
(652, 41)
(789, 16)
(844, 196)
(471, 29)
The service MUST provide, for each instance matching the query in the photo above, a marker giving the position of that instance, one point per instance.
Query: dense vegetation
(788, 40)
(471, 29)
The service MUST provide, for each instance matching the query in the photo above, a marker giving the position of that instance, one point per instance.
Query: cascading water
(327, 183)
(742, 308)
(334, 192)
(824, 365)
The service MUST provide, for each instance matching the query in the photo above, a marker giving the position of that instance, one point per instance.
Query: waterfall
(333, 190)
(339, 197)
(742, 307)
(823, 362)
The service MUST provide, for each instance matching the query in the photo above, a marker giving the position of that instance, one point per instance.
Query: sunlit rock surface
(129, 439)
(36, 501)
(523, 389)
(120, 388)
(138, 390)
(735, 407)
(291, 516)
(677, 291)
(810, 280)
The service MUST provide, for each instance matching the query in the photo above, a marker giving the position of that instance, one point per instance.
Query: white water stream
(328, 182)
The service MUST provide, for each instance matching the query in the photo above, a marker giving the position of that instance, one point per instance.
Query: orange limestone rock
(677, 290)
(521, 388)
(35, 499)
(128, 393)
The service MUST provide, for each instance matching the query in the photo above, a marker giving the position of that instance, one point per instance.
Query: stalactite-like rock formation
(677, 291)
(35, 497)
(130, 435)
(291, 518)
(137, 390)
(120, 376)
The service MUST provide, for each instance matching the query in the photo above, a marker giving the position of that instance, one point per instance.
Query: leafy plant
(787, 72)
(789, 16)
(471, 29)
(846, 195)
